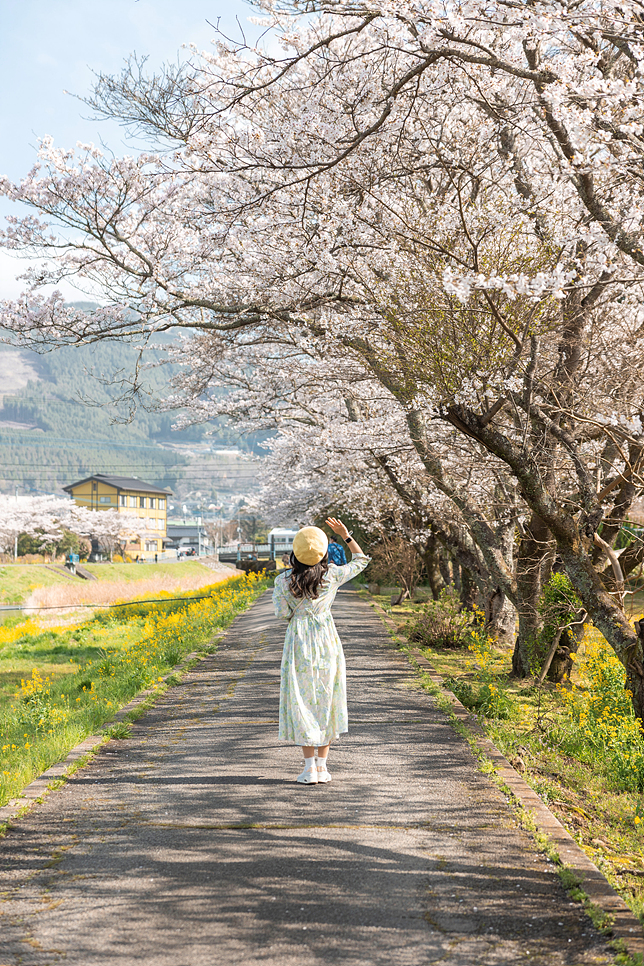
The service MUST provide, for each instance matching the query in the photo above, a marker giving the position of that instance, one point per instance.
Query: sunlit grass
(579, 746)
(60, 685)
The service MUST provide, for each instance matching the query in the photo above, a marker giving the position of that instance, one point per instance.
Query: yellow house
(130, 496)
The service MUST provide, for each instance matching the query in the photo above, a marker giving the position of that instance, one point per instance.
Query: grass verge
(576, 746)
(77, 678)
(568, 877)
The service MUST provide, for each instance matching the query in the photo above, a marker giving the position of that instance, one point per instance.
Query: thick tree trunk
(444, 567)
(430, 558)
(561, 664)
(500, 616)
(635, 684)
(456, 571)
(534, 562)
(469, 590)
(524, 654)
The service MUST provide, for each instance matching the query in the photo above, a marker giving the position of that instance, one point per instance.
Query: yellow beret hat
(310, 544)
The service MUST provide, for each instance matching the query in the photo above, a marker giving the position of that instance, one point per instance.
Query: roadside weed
(51, 711)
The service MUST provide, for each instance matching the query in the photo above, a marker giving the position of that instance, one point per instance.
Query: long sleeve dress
(313, 692)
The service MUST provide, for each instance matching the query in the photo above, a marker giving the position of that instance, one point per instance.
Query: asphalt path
(191, 844)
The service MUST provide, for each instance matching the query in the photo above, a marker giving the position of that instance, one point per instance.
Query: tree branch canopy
(433, 213)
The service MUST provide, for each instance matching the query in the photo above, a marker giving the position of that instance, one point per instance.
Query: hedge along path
(189, 842)
(621, 923)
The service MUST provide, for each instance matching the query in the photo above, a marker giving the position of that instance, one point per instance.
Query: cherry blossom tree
(46, 518)
(111, 529)
(445, 197)
(39, 517)
(343, 442)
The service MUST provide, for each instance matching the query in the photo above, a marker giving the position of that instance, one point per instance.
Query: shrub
(486, 698)
(487, 693)
(36, 707)
(441, 623)
(559, 604)
(394, 557)
(603, 729)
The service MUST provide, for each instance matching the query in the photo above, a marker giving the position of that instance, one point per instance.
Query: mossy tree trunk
(534, 562)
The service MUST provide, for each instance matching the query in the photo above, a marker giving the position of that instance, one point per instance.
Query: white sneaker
(308, 777)
(323, 774)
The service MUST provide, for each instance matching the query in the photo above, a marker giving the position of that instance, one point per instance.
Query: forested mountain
(59, 421)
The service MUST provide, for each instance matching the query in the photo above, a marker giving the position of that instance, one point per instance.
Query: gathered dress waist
(319, 618)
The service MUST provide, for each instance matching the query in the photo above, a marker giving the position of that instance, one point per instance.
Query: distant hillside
(57, 415)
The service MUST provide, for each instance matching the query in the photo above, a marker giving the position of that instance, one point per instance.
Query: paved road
(190, 844)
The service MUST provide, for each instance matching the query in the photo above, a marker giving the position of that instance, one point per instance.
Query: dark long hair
(306, 578)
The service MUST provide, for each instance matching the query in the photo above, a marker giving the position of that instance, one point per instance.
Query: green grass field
(60, 684)
(17, 581)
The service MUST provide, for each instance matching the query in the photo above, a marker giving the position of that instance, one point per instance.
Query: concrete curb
(625, 925)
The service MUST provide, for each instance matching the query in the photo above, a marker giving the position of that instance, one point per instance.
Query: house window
(132, 501)
(105, 499)
(122, 500)
(142, 502)
(161, 503)
(153, 503)
(151, 545)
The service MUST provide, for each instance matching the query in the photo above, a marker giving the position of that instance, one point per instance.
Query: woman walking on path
(313, 693)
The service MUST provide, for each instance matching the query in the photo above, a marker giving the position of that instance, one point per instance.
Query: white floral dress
(313, 693)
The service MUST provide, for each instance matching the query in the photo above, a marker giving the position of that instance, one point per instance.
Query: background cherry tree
(47, 518)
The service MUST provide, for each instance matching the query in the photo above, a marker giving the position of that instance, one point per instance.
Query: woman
(313, 694)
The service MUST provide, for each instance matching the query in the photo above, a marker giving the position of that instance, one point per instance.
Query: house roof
(121, 483)
(184, 529)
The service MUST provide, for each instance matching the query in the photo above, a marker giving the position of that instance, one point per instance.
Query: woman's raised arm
(338, 527)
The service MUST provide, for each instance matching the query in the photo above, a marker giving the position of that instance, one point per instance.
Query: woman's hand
(338, 527)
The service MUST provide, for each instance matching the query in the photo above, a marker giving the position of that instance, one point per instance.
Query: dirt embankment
(111, 591)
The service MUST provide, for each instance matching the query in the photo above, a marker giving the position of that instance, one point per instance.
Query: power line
(126, 603)
(135, 444)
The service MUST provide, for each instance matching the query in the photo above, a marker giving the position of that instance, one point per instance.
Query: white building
(280, 540)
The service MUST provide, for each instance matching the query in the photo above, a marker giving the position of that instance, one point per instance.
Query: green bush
(559, 605)
(441, 623)
(486, 698)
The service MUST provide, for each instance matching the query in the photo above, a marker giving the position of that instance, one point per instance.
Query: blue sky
(48, 47)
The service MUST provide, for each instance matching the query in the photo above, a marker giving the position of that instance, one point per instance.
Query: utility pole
(239, 531)
(15, 542)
